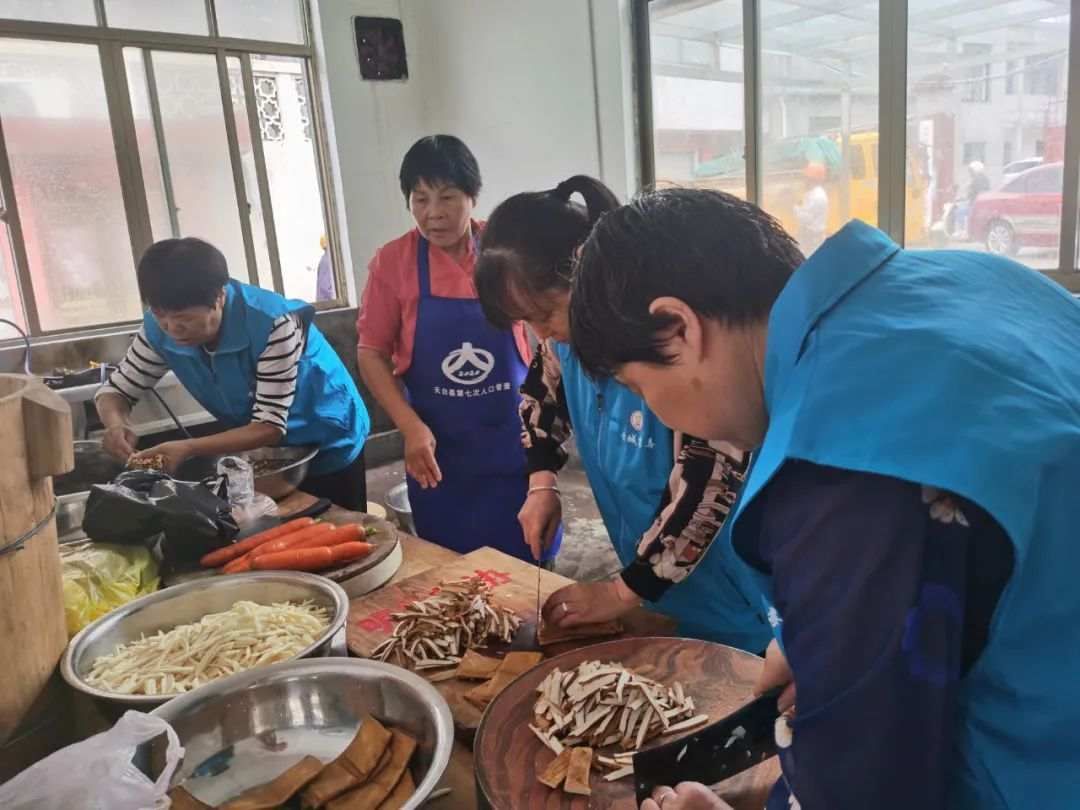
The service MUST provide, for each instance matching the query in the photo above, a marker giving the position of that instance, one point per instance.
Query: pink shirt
(388, 306)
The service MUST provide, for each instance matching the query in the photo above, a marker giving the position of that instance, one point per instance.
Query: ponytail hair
(528, 245)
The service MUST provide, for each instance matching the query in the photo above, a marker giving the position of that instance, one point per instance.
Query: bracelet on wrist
(543, 489)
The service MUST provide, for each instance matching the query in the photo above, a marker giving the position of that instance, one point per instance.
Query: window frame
(110, 43)
(893, 33)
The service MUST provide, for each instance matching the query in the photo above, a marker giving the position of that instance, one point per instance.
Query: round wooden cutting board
(508, 756)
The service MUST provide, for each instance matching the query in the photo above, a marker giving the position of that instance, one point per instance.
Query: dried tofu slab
(516, 663)
(373, 792)
(355, 764)
(577, 772)
(554, 774)
(480, 696)
(182, 800)
(402, 792)
(552, 634)
(278, 791)
(477, 667)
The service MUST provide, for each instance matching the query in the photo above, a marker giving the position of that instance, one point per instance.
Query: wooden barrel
(36, 442)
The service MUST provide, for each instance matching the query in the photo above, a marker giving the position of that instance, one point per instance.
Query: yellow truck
(853, 197)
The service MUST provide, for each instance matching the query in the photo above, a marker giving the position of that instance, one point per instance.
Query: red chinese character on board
(378, 622)
(493, 578)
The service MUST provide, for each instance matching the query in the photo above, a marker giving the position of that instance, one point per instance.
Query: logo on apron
(468, 365)
(637, 420)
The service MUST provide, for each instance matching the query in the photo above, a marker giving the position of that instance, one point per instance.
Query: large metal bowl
(287, 468)
(189, 602)
(244, 730)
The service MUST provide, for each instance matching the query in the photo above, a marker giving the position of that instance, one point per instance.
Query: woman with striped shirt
(250, 357)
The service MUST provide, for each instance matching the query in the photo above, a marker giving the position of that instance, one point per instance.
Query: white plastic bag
(97, 773)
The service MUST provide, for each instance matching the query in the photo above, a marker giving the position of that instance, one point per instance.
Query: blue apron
(958, 371)
(327, 410)
(463, 383)
(628, 456)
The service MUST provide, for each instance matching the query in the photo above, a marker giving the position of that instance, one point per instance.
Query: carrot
(223, 555)
(311, 559)
(289, 540)
(349, 533)
(239, 565)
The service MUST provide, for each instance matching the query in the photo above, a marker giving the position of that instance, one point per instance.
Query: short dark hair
(175, 274)
(438, 159)
(723, 256)
(529, 242)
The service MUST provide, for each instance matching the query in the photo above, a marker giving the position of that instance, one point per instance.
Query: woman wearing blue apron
(448, 380)
(910, 516)
(663, 496)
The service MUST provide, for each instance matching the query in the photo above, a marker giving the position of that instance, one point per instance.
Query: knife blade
(539, 575)
(713, 754)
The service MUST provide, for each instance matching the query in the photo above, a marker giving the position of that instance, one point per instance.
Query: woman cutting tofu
(448, 380)
(663, 496)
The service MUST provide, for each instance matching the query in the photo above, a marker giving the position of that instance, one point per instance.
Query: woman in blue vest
(911, 510)
(253, 359)
(663, 496)
(447, 378)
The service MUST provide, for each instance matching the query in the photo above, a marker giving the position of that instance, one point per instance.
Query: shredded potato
(179, 660)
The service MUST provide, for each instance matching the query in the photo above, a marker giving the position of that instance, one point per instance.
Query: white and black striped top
(275, 373)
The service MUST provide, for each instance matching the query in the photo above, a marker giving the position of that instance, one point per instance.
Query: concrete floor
(586, 551)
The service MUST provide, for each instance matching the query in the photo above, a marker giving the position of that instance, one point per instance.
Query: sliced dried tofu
(376, 790)
(279, 790)
(577, 772)
(477, 667)
(554, 774)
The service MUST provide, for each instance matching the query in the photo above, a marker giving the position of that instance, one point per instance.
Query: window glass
(819, 117)
(697, 77)
(175, 16)
(1012, 60)
(67, 185)
(272, 20)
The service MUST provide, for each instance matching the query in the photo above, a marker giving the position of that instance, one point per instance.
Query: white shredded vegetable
(184, 658)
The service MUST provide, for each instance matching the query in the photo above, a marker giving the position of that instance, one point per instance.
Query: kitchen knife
(713, 754)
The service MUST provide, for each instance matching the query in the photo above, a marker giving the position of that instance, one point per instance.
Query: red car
(1025, 212)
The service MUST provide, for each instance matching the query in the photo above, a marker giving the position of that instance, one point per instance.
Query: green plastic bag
(99, 578)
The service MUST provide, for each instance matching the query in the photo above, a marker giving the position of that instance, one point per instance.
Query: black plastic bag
(138, 505)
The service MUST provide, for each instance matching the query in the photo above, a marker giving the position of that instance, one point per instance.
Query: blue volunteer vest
(327, 411)
(628, 456)
(960, 371)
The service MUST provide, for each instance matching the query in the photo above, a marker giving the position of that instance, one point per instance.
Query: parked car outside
(1017, 167)
(1025, 212)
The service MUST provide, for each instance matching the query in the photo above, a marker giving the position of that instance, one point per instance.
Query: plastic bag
(100, 577)
(98, 773)
(138, 505)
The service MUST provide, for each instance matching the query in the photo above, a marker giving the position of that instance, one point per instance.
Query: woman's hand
(420, 455)
(539, 517)
(119, 442)
(173, 454)
(589, 603)
(777, 673)
(684, 796)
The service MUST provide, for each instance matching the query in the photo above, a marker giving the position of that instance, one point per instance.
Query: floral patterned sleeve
(545, 418)
(700, 494)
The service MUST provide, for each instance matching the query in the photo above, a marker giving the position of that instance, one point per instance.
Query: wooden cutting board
(514, 585)
(508, 756)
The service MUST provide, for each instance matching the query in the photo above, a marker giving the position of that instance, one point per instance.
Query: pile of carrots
(299, 545)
